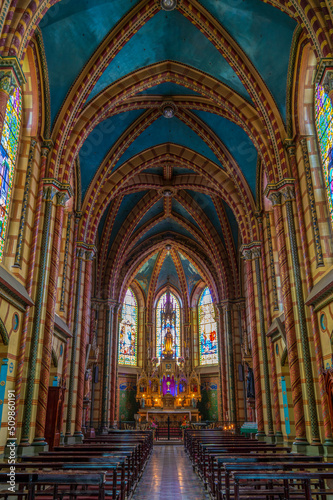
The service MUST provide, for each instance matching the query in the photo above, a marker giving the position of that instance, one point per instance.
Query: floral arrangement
(185, 424)
(153, 425)
(181, 360)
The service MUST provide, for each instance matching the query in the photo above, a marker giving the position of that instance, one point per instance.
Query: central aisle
(169, 476)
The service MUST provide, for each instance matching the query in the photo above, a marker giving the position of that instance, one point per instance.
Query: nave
(169, 476)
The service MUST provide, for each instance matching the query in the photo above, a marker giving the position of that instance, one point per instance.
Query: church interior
(166, 217)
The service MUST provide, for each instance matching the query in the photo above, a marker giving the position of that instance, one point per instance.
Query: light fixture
(168, 4)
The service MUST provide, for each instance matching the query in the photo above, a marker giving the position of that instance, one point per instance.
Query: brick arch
(107, 102)
(211, 173)
(192, 252)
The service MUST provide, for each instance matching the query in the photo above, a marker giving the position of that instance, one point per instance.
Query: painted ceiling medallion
(168, 247)
(168, 4)
(167, 193)
(168, 109)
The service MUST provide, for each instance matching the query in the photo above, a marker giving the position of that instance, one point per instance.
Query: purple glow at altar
(169, 385)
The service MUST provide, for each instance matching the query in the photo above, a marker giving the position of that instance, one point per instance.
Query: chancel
(166, 249)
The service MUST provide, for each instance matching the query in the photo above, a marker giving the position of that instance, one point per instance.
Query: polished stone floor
(169, 476)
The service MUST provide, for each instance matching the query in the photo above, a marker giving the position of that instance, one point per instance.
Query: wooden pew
(286, 485)
(52, 485)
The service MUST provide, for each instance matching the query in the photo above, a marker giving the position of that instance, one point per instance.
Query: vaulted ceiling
(168, 195)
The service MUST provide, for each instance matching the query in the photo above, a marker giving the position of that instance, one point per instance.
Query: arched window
(172, 321)
(128, 331)
(8, 150)
(207, 329)
(324, 117)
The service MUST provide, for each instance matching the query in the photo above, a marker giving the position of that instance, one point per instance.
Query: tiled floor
(169, 476)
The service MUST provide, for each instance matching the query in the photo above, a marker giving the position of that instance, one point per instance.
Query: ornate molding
(251, 251)
(11, 64)
(274, 191)
(324, 70)
(169, 5)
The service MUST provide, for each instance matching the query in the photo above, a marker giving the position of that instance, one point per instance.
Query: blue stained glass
(324, 124)
(207, 329)
(128, 331)
(8, 150)
(174, 329)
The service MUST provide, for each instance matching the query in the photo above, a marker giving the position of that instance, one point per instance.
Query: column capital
(46, 148)
(64, 191)
(10, 64)
(251, 251)
(290, 147)
(85, 250)
(324, 73)
(274, 191)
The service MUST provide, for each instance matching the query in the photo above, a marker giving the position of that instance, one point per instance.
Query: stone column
(256, 256)
(85, 325)
(114, 373)
(231, 363)
(288, 195)
(31, 272)
(222, 361)
(80, 252)
(240, 307)
(247, 254)
(278, 432)
(291, 150)
(62, 197)
(69, 311)
(295, 376)
(106, 368)
(49, 193)
(218, 328)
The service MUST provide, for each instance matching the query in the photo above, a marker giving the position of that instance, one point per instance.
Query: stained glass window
(128, 331)
(8, 150)
(207, 329)
(324, 117)
(173, 323)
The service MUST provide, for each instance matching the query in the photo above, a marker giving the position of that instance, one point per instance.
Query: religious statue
(168, 345)
(250, 392)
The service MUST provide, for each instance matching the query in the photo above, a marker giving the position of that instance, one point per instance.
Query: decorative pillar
(291, 150)
(276, 404)
(80, 256)
(106, 368)
(295, 376)
(49, 193)
(222, 360)
(231, 364)
(241, 334)
(31, 271)
(89, 254)
(114, 373)
(288, 194)
(69, 311)
(256, 256)
(62, 197)
(247, 254)
(64, 274)
(11, 76)
(17, 262)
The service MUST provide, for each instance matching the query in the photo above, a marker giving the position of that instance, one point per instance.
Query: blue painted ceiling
(173, 131)
(72, 31)
(144, 275)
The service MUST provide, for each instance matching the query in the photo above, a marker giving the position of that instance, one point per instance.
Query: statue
(168, 345)
(250, 392)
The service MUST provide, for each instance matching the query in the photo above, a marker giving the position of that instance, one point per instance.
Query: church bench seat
(229, 469)
(218, 463)
(42, 485)
(286, 485)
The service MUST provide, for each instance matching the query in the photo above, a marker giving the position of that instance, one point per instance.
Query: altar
(168, 388)
(149, 414)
